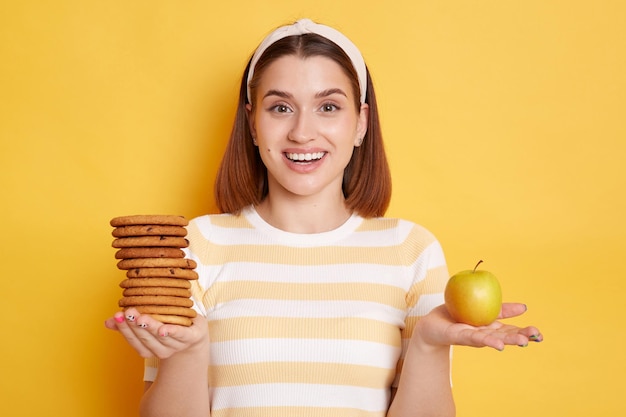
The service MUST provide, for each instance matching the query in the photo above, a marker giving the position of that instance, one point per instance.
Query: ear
(250, 114)
(362, 123)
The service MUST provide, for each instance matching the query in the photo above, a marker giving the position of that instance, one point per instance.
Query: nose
(303, 129)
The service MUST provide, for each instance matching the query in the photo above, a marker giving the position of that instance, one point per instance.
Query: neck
(304, 216)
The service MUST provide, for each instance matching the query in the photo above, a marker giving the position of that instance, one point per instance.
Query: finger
(184, 337)
(482, 338)
(163, 340)
(496, 335)
(111, 322)
(532, 333)
(512, 310)
(134, 334)
(183, 334)
(514, 338)
(513, 335)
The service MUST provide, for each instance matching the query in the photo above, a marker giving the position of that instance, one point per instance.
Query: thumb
(512, 310)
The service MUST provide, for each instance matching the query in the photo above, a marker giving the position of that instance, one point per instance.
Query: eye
(329, 107)
(281, 108)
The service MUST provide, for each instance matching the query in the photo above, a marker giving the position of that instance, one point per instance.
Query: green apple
(473, 297)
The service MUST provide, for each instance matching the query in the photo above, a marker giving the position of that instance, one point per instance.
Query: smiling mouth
(305, 157)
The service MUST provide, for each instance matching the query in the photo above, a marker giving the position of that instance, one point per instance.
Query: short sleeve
(430, 276)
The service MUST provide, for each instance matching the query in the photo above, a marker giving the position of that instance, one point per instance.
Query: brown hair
(242, 176)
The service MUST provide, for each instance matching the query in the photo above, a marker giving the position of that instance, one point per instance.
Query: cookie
(146, 252)
(162, 273)
(171, 319)
(169, 220)
(149, 230)
(156, 300)
(150, 241)
(157, 263)
(169, 310)
(170, 291)
(155, 282)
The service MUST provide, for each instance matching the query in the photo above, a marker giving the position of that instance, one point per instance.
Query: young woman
(310, 302)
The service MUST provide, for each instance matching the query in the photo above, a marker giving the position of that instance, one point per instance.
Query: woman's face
(306, 125)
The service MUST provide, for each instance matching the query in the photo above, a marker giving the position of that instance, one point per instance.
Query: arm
(181, 387)
(424, 386)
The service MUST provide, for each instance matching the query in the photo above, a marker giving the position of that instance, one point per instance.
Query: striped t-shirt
(309, 324)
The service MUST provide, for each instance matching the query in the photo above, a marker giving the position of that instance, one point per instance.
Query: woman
(310, 302)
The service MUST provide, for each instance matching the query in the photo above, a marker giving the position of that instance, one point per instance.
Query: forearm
(424, 388)
(180, 389)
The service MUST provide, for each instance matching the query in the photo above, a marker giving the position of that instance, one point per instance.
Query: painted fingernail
(535, 338)
(119, 319)
(130, 317)
(143, 325)
(164, 334)
(524, 345)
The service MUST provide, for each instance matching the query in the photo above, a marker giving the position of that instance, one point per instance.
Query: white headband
(307, 26)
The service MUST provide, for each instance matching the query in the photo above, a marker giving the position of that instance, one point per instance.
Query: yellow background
(504, 122)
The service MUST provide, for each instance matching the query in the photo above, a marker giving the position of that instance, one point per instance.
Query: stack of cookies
(158, 276)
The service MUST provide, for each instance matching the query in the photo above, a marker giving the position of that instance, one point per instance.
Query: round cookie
(169, 310)
(157, 300)
(157, 263)
(184, 273)
(148, 252)
(164, 219)
(149, 230)
(171, 319)
(169, 291)
(151, 241)
(155, 282)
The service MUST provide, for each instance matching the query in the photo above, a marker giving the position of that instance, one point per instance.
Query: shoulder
(411, 241)
(404, 230)
(217, 228)
(220, 221)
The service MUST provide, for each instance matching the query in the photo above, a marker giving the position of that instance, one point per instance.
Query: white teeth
(305, 156)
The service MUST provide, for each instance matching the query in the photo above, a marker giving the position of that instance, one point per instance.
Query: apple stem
(479, 262)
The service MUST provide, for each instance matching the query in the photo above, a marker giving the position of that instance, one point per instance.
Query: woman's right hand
(151, 338)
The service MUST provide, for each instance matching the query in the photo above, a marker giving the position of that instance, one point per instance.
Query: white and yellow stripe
(310, 324)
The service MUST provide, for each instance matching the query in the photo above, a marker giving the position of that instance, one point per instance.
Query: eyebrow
(278, 93)
(323, 93)
(330, 92)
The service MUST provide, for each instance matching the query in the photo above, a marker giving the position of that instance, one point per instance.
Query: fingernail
(143, 325)
(164, 334)
(119, 319)
(130, 317)
(534, 338)
(524, 345)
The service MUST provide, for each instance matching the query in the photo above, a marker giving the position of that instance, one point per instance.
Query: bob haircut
(242, 176)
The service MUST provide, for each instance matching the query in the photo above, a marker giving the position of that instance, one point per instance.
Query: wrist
(419, 346)
(425, 345)
(194, 360)
(197, 349)
(196, 352)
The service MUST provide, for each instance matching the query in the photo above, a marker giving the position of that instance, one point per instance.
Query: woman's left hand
(439, 329)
